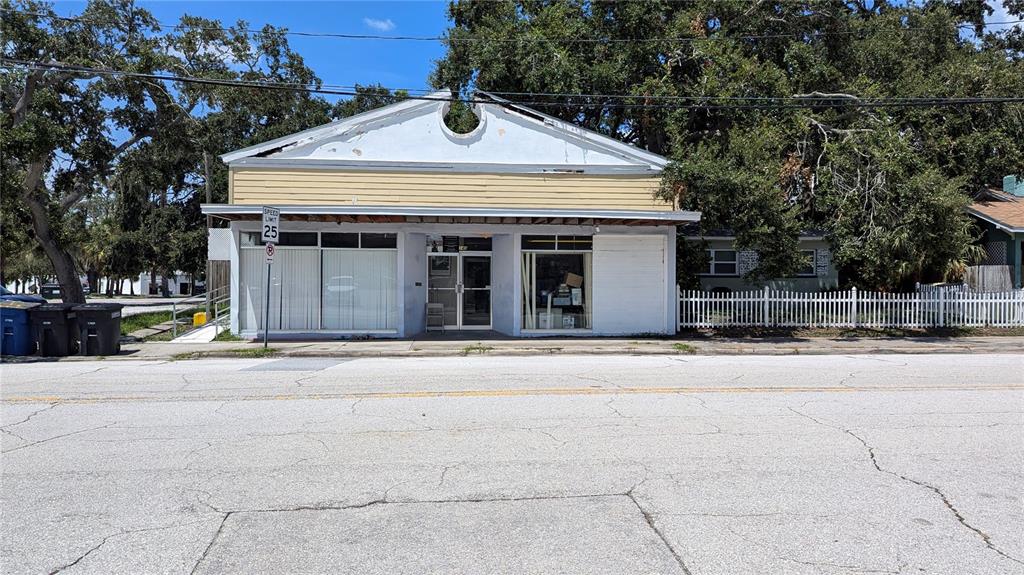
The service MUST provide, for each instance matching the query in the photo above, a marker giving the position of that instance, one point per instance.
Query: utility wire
(765, 103)
(470, 39)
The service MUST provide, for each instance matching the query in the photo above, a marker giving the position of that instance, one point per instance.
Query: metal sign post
(269, 236)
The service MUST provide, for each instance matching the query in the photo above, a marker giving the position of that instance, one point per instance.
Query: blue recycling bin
(15, 328)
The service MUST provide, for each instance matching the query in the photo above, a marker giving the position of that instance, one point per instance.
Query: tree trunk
(163, 285)
(63, 264)
(93, 278)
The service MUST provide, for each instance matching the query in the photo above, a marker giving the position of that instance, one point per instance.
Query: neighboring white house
(526, 225)
(181, 284)
(728, 265)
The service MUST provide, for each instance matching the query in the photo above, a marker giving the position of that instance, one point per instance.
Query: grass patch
(243, 352)
(151, 318)
(252, 352)
(143, 320)
(684, 348)
(476, 348)
(226, 335)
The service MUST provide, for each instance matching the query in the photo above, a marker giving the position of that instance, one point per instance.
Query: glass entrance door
(461, 284)
(476, 291)
(443, 286)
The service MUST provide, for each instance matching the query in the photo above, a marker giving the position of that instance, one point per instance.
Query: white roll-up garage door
(630, 294)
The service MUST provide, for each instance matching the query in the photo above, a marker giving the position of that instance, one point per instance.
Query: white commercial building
(391, 224)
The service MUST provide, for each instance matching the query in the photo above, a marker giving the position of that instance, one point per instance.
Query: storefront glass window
(343, 281)
(556, 286)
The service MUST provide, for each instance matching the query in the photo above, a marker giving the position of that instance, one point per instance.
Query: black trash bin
(99, 328)
(54, 328)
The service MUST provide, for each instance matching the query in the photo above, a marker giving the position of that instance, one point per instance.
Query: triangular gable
(412, 135)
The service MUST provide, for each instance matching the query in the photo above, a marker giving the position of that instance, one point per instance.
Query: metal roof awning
(439, 215)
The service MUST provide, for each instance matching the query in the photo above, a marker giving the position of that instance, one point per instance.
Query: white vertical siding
(629, 284)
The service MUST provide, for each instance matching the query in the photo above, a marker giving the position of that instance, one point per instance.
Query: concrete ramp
(204, 334)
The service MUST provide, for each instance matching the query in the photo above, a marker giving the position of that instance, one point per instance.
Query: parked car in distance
(52, 290)
(8, 295)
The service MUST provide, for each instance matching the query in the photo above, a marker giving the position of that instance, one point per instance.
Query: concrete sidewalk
(574, 346)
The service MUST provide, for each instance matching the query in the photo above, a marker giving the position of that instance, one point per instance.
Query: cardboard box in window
(573, 280)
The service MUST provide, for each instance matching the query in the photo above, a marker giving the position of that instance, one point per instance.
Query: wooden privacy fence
(852, 308)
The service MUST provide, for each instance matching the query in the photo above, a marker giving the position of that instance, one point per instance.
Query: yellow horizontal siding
(335, 187)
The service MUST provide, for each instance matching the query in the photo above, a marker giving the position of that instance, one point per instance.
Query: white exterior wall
(415, 132)
(234, 279)
(503, 284)
(414, 296)
(218, 244)
(629, 282)
(621, 255)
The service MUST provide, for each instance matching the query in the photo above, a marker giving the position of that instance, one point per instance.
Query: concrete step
(152, 330)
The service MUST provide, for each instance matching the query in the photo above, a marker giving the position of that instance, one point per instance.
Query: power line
(759, 103)
(471, 39)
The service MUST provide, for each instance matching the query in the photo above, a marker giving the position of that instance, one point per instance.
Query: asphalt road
(618, 465)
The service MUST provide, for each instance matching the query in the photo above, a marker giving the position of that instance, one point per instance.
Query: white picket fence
(852, 308)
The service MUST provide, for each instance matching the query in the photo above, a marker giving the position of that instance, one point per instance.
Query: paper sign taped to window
(746, 261)
(823, 263)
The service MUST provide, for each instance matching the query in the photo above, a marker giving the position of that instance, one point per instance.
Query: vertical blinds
(320, 289)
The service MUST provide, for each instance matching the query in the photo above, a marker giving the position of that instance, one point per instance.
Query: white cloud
(223, 53)
(383, 25)
(1000, 14)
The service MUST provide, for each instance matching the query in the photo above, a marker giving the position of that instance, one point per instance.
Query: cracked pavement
(617, 464)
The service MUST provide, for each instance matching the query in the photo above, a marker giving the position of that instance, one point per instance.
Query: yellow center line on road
(482, 393)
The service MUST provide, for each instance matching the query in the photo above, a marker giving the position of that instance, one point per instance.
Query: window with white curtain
(294, 298)
(359, 289)
(341, 282)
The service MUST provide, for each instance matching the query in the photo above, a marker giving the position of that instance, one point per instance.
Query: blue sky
(336, 61)
(394, 64)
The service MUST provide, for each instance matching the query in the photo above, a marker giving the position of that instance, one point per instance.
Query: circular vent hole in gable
(460, 117)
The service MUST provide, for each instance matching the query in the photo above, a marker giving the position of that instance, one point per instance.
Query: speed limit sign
(270, 253)
(271, 220)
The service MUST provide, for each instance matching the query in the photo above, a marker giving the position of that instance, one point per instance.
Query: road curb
(186, 355)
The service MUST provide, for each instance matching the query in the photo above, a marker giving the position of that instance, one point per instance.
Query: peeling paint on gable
(411, 134)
